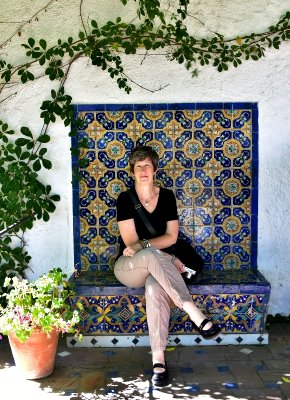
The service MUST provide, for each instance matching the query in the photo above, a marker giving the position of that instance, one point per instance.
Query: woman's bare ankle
(158, 357)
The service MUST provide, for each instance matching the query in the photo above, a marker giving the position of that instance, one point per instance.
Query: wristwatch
(145, 243)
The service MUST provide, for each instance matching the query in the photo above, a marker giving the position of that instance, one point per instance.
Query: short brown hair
(142, 152)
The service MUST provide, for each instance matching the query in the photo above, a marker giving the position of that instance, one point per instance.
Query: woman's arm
(131, 239)
(128, 232)
(169, 238)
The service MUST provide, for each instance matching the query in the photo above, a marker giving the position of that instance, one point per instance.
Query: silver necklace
(146, 202)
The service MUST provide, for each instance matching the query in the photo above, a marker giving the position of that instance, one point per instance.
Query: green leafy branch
(106, 44)
(23, 198)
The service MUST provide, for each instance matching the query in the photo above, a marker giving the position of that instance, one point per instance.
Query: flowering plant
(41, 305)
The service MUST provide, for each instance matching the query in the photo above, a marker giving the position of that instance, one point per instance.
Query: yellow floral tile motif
(153, 115)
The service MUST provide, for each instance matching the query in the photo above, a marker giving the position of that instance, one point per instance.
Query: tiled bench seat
(209, 159)
(115, 315)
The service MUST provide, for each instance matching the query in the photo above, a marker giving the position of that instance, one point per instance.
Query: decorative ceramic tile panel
(111, 315)
(208, 157)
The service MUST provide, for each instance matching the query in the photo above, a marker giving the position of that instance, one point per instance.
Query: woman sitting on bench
(146, 259)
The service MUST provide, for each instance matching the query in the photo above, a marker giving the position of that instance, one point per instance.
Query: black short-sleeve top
(165, 210)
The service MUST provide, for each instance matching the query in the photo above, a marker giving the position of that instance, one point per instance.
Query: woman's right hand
(131, 250)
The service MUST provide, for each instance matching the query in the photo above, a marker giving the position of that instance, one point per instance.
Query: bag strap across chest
(141, 213)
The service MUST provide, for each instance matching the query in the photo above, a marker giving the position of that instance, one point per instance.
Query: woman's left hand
(179, 265)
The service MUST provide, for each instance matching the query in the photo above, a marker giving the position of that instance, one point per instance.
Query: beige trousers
(163, 284)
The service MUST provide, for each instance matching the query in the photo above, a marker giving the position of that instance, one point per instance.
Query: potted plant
(35, 314)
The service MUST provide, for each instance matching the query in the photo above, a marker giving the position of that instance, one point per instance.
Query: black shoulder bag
(181, 249)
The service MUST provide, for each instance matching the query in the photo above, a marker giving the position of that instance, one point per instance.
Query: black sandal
(210, 333)
(160, 378)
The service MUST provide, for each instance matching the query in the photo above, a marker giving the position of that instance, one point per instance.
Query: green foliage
(43, 305)
(59, 106)
(277, 319)
(105, 44)
(23, 198)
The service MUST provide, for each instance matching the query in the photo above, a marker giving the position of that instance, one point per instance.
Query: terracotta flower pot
(35, 357)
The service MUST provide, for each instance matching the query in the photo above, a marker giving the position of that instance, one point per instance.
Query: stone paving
(197, 372)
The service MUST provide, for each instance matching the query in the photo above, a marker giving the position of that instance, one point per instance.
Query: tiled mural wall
(208, 157)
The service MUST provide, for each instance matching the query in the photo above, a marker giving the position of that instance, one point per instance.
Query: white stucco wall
(266, 82)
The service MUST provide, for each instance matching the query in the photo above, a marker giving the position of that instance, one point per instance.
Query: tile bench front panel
(111, 315)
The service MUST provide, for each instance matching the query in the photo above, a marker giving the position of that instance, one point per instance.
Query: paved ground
(198, 372)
